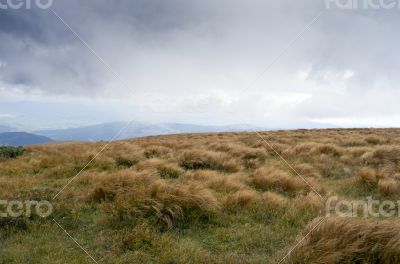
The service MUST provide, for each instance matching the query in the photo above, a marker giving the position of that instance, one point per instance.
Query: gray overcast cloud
(194, 61)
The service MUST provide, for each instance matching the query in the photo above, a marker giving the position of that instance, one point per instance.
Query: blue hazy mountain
(22, 139)
(120, 130)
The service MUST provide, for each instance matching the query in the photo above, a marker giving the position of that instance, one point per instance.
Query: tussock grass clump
(196, 159)
(328, 149)
(155, 152)
(359, 151)
(150, 164)
(353, 142)
(125, 161)
(331, 167)
(253, 158)
(387, 171)
(187, 202)
(274, 200)
(164, 204)
(367, 175)
(349, 240)
(311, 200)
(271, 178)
(230, 165)
(221, 147)
(307, 170)
(382, 155)
(170, 171)
(188, 196)
(164, 168)
(200, 159)
(141, 236)
(109, 186)
(300, 149)
(389, 187)
(314, 148)
(226, 183)
(241, 199)
(373, 140)
(201, 175)
(348, 160)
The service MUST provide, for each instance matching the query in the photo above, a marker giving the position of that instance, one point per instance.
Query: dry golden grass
(271, 178)
(307, 170)
(389, 187)
(156, 151)
(108, 187)
(367, 175)
(382, 155)
(146, 196)
(241, 199)
(274, 200)
(201, 159)
(208, 198)
(348, 240)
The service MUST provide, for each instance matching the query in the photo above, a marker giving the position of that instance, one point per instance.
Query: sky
(267, 63)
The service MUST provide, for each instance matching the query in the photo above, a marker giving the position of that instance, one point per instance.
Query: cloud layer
(198, 60)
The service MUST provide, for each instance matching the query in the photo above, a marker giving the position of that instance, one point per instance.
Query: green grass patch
(11, 152)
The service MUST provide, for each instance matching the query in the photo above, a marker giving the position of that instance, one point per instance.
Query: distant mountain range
(120, 130)
(22, 139)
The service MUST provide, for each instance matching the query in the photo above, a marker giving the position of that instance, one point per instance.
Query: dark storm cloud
(22, 23)
(31, 51)
(39, 52)
(38, 49)
(208, 49)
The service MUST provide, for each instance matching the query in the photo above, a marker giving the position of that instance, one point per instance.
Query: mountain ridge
(120, 130)
(16, 139)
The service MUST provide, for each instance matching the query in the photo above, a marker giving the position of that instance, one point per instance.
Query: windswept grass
(346, 240)
(204, 198)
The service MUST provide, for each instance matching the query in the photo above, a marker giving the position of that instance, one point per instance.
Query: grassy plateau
(204, 198)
